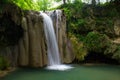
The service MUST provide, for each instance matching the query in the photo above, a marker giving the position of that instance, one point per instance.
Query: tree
(93, 2)
(69, 1)
(106, 0)
(87, 1)
(64, 1)
(98, 1)
(44, 4)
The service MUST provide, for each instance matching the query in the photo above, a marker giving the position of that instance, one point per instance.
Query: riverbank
(5, 72)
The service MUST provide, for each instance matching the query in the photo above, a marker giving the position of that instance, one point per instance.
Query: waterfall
(31, 48)
(52, 47)
(58, 14)
(54, 61)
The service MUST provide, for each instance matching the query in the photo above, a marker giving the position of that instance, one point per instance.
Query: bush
(79, 50)
(110, 50)
(96, 42)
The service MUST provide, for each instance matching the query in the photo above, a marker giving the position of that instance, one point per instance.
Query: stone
(31, 50)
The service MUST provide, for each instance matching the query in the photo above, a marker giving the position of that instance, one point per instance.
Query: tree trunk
(93, 2)
(64, 1)
(68, 1)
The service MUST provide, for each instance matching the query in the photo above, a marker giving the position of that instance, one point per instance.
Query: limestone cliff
(31, 48)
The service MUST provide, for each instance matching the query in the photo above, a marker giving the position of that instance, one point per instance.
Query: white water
(56, 15)
(54, 62)
(52, 47)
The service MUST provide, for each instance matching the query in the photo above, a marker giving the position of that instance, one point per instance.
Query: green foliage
(105, 26)
(116, 54)
(67, 12)
(57, 0)
(110, 50)
(30, 4)
(96, 42)
(79, 50)
(81, 22)
(113, 12)
(3, 63)
(78, 24)
(113, 51)
(44, 4)
(5, 1)
(27, 4)
(83, 18)
(24, 4)
(90, 26)
(73, 13)
(80, 37)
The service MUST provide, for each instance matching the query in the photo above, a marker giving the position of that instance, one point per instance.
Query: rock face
(31, 49)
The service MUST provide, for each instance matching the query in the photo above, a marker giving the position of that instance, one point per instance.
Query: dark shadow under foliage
(10, 32)
(93, 57)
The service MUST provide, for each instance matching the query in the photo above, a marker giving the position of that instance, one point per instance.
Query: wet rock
(31, 49)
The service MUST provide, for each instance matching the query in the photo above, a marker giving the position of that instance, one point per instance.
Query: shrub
(79, 50)
(110, 50)
(96, 42)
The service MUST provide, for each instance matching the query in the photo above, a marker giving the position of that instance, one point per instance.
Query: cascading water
(53, 53)
(54, 61)
(56, 15)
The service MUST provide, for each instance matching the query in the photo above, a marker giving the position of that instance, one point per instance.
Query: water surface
(92, 72)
